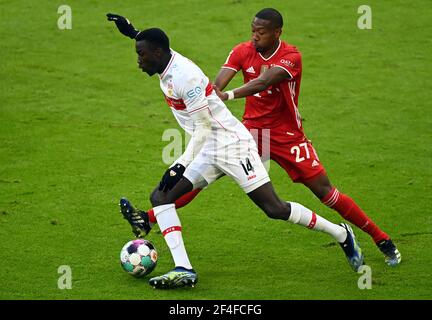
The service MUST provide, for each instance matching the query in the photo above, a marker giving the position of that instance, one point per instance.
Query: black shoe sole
(168, 285)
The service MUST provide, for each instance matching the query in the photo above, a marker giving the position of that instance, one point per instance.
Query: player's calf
(280, 210)
(267, 200)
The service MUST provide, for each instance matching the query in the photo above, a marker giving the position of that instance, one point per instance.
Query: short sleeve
(234, 59)
(291, 63)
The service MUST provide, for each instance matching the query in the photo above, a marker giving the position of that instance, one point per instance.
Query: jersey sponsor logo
(287, 63)
(179, 104)
(194, 92)
(250, 70)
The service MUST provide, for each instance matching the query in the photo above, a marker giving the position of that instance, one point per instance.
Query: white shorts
(240, 161)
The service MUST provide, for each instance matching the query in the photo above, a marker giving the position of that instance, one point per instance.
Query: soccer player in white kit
(219, 145)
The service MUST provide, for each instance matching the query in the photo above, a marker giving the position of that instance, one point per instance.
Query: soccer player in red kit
(272, 71)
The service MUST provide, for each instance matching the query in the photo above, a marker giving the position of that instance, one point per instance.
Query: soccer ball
(138, 257)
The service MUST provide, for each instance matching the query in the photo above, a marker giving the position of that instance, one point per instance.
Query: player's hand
(222, 95)
(124, 25)
(171, 177)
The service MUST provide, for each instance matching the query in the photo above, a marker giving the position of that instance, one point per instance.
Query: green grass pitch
(81, 126)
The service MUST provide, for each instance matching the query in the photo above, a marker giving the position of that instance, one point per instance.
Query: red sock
(180, 202)
(350, 211)
(186, 198)
(151, 215)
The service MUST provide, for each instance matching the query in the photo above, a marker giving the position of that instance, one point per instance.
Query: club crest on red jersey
(264, 67)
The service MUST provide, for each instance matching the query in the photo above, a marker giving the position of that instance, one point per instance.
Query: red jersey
(276, 107)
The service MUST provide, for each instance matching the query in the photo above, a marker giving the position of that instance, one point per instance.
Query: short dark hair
(156, 37)
(271, 15)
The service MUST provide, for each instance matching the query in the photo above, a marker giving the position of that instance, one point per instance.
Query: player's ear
(278, 32)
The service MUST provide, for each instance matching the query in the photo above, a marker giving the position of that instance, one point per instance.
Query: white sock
(305, 217)
(169, 223)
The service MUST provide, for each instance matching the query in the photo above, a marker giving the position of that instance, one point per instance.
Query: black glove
(123, 24)
(171, 177)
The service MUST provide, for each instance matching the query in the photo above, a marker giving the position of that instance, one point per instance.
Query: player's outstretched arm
(265, 80)
(224, 77)
(124, 25)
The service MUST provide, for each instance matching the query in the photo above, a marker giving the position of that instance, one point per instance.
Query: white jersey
(230, 148)
(187, 90)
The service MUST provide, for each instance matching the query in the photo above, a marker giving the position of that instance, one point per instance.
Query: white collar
(168, 65)
(280, 42)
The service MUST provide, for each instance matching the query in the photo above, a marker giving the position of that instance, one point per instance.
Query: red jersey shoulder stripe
(177, 104)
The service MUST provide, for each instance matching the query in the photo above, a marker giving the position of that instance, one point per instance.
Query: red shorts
(298, 158)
